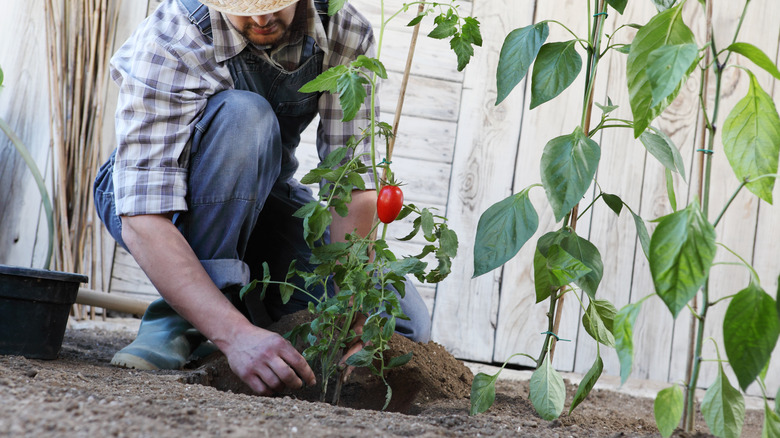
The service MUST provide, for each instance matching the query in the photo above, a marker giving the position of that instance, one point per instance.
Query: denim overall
(241, 194)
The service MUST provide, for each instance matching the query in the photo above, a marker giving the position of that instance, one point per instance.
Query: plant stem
(590, 79)
(550, 329)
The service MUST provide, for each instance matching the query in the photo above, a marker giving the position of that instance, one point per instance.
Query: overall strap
(199, 16)
(322, 10)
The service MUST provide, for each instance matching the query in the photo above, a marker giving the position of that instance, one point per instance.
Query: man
(200, 188)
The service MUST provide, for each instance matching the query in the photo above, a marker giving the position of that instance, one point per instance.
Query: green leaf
(428, 225)
(682, 249)
(668, 410)
(771, 422)
(668, 67)
(670, 189)
(362, 358)
(608, 108)
(470, 31)
(666, 28)
(445, 28)
(587, 383)
(624, 49)
(335, 5)
(663, 5)
(463, 50)
(448, 242)
(371, 64)
(663, 149)
(543, 283)
(483, 393)
(326, 81)
(643, 234)
(619, 5)
(557, 66)
(568, 166)
(589, 255)
(623, 330)
(502, 230)
(517, 54)
(547, 391)
(613, 202)
(286, 289)
(399, 361)
(723, 407)
(352, 93)
(750, 331)
(563, 267)
(758, 57)
(751, 139)
(596, 327)
(314, 225)
(2, 76)
(416, 20)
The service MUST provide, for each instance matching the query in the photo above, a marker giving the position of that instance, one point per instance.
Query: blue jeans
(239, 214)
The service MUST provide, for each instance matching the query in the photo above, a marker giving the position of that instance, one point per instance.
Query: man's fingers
(257, 385)
(298, 365)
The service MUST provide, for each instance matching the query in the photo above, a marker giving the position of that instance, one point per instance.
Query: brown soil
(81, 395)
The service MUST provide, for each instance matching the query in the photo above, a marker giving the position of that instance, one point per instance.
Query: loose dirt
(81, 395)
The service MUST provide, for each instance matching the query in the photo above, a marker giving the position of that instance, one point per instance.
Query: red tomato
(389, 203)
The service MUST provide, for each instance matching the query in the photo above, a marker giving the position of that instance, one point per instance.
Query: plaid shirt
(168, 69)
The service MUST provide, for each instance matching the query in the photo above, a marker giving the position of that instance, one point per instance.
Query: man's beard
(273, 39)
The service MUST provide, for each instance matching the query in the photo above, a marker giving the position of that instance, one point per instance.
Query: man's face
(265, 30)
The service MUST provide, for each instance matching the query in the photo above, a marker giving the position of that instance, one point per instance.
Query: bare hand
(357, 345)
(268, 363)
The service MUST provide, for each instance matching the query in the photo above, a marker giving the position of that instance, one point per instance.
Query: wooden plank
(765, 249)
(737, 229)
(126, 274)
(620, 173)
(428, 98)
(24, 106)
(464, 317)
(520, 321)
(128, 278)
(418, 137)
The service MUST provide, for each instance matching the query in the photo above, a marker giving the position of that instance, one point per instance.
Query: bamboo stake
(404, 84)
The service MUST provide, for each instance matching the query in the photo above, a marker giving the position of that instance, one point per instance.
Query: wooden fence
(460, 153)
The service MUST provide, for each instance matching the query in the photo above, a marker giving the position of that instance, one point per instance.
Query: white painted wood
(24, 106)
(128, 278)
(765, 250)
(520, 321)
(737, 229)
(466, 309)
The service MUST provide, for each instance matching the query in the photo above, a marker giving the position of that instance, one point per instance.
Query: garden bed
(80, 394)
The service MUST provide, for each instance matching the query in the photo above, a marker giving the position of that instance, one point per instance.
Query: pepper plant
(681, 251)
(363, 268)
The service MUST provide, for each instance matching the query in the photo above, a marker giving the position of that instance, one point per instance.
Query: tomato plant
(389, 203)
(682, 248)
(363, 269)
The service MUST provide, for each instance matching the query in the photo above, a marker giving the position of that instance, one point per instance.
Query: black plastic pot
(34, 309)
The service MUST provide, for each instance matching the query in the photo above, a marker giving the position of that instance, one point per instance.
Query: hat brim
(247, 7)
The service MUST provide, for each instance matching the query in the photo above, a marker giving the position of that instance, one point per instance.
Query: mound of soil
(432, 374)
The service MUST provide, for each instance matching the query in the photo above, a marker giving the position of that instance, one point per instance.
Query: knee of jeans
(247, 126)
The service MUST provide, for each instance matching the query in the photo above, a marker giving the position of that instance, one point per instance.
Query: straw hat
(248, 7)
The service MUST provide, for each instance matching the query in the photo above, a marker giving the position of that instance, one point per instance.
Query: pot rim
(43, 274)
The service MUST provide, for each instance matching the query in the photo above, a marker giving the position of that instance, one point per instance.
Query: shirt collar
(228, 42)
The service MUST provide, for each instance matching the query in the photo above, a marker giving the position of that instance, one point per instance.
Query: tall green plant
(364, 268)
(661, 57)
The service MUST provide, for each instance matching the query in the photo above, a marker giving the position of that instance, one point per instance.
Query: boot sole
(125, 360)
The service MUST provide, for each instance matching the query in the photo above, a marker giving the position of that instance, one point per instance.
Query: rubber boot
(164, 341)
